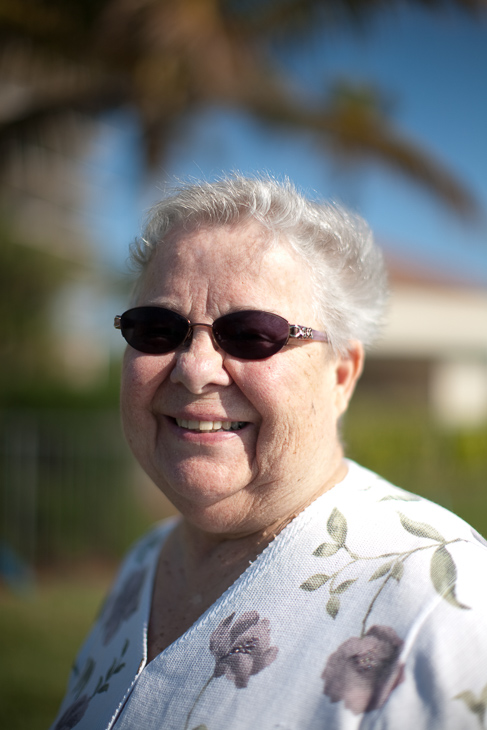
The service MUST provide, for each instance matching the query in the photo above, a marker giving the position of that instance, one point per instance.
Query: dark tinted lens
(251, 335)
(153, 330)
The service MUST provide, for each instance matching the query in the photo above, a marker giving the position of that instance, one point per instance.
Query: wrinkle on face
(289, 400)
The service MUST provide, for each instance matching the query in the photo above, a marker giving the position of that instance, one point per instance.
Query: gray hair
(347, 271)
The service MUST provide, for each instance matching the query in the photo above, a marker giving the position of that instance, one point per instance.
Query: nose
(199, 363)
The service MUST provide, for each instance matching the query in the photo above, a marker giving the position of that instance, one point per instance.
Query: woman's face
(235, 482)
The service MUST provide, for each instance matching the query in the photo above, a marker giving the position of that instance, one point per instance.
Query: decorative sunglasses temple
(298, 332)
(117, 322)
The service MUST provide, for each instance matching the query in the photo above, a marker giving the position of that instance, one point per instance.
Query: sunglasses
(248, 335)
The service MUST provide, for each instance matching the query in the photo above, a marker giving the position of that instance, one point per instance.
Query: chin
(206, 482)
(216, 510)
(199, 492)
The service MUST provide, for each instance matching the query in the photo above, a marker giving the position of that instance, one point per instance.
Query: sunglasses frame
(297, 332)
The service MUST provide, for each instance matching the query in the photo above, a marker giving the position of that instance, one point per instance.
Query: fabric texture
(368, 611)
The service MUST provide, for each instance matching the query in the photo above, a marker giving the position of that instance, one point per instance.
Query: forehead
(235, 246)
(240, 265)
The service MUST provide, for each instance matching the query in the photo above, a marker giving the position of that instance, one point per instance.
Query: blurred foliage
(47, 392)
(405, 446)
(166, 59)
(29, 278)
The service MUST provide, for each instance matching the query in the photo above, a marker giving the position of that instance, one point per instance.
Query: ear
(348, 369)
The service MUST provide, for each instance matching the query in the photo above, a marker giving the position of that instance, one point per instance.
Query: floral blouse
(368, 611)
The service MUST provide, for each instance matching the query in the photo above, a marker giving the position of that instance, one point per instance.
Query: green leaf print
(337, 526)
(477, 705)
(343, 586)
(382, 570)
(98, 686)
(111, 670)
(397, 571)
(420, 529)
(443, 570)
(443, 573)
(333, 606)
(326, 550)
(314, 582)
(84, 677)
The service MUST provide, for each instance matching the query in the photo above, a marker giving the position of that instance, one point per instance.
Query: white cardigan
(369, 610)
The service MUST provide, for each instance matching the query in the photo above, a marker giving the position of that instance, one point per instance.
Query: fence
(67, 486)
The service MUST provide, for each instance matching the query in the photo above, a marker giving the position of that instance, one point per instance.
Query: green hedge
(448, 466)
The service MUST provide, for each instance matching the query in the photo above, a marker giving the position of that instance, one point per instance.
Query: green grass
(39, 637)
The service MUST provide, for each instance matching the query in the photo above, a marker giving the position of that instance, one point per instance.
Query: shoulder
(409, 576)
(400, 513)
(127, 602)
(403, 554)
(114, 651)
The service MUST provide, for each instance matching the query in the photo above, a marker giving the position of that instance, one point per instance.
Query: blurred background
(381, 105)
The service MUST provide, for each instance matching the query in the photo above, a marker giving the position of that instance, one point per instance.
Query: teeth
(210, 425)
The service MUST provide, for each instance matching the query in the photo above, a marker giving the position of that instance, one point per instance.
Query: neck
(198, 548)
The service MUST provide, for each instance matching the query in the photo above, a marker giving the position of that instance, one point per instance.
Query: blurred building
(434, 348)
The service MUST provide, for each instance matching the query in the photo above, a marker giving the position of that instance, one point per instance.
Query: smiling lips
(207, 426)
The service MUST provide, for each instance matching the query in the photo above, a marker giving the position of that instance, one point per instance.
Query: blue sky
(433, 67)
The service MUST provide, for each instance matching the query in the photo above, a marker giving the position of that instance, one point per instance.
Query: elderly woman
(297, 590)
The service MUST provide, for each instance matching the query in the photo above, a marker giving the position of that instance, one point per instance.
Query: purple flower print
(242, 649)
(364, 671)
(73, 714)
(239, 650)
(124, 604)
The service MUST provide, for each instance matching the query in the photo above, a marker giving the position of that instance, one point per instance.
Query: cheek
(282, 396)
(297, 404)
(286, 388)
(141, 377)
